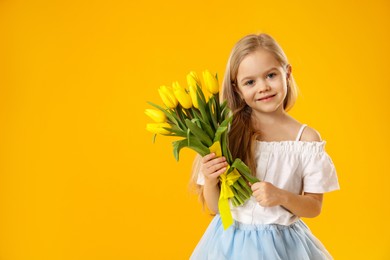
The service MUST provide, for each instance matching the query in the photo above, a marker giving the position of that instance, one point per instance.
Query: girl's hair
(242, 135)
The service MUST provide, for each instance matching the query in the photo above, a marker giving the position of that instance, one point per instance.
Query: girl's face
(262, 82)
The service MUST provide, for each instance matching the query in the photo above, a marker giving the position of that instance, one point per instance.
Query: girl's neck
(280, 127)
(266, 121)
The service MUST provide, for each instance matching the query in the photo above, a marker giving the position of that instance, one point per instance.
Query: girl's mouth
(266, 98)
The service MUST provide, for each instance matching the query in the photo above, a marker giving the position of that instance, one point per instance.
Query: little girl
(288, 157)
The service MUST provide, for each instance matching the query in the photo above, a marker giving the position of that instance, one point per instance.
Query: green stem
(245, 185)
(240, 190)
(235, 202)
(189, 114)
(179, 118)
(217, 108)
(237, 196)
(196, 112)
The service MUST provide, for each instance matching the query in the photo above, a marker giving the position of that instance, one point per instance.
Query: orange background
(79, 175)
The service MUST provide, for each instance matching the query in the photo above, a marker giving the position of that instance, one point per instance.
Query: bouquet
(202, 123)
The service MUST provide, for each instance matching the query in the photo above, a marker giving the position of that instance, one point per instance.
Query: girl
(288, 157)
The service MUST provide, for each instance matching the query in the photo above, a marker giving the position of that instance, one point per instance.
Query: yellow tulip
(156, 115)
(167, 96)
(194, 98)
(211, 82)
(157, 128)
(182, 95)
(193, 79)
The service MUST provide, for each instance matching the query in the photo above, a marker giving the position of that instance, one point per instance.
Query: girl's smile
(266, 98)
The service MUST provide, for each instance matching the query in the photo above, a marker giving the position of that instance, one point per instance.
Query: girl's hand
(266, 194)
(212, 167)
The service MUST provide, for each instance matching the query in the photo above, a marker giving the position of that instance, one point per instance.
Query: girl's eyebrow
(248, 77)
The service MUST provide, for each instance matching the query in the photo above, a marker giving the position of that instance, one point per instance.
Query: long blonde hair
(242, 134)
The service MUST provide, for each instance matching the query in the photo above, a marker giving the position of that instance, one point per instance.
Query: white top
(296, 166)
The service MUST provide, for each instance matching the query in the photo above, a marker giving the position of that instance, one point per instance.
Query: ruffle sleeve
(200, 180)
(319, 172)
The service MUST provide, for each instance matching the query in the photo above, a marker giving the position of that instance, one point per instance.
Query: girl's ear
(288, 70)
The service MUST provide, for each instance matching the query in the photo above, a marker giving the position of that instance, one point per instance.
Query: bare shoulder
(309, 134)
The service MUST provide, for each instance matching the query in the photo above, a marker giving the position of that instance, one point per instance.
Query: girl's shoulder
(309, 134)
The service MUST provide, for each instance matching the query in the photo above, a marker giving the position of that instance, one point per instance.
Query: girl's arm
(211, 168)
(307, 205)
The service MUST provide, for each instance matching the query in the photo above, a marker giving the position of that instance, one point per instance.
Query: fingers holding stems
(213, 167)
(266, 194)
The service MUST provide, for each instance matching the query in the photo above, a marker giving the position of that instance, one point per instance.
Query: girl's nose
(263, 87)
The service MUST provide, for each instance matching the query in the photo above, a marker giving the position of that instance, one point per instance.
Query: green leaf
(218, 134)
(175, 129)
(225, 113)
(197, 122)
(206, 127)
(225, 148)
(222, 128)
(196, 113)
(244, 170)
(177, 146)
(223, 105)
(181, 113)
(179, 123)
(202, 124)
(154, 138)
(197, 146)
(203, 107)
(156, 106)
(217, 107)
(227, 121)
(198, 132)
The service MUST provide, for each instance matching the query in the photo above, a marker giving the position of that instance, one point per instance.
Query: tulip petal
(171, 116)
(211, 82)
(156, 115)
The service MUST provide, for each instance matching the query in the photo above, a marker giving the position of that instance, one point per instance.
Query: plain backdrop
(79, 175)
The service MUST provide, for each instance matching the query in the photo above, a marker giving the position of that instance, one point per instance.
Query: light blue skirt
(266, 242)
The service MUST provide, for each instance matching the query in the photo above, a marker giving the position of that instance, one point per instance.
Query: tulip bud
(167, 96)
(211, 82)
(182, 95)
(157, 128)
(193, 95)
(193, 79)
(156, 115)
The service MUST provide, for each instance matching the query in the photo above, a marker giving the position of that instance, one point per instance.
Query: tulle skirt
(252, 242)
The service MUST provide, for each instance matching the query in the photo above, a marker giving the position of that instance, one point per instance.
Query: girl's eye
(273, 74)
(249, 82)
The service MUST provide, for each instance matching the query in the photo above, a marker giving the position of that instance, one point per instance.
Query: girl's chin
(267, 110)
